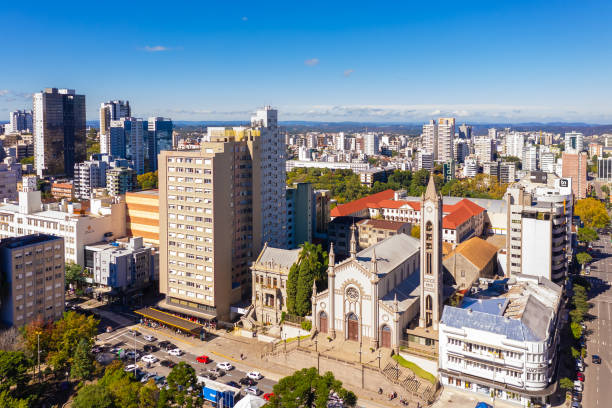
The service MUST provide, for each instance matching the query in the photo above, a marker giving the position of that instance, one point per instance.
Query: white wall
(536, 247)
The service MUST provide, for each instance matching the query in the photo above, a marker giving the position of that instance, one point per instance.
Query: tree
(292, 279)
(587, 234)
(7, 401)
(182, 375)
(93, 396)
(66, 335)
(82, 364)
(11, 340)
(14, 366)
(566, 384)
(149, 395)
(74, 274)
(576, 330)
(416, 231)
(27, 160)
(583, 258)
(312, 267)
(592, 212)
(147, 181)
(306, 388)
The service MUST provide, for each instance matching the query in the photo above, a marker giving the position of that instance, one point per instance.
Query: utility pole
(134, 350)
(38, 353)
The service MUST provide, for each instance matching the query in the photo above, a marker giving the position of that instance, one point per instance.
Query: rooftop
(276, 257)
(26, 240)
(383, 224)
(476, 250)
(390, 252)
(361, 204)
(144, 192)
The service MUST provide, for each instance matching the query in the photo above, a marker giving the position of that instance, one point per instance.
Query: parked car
(146, 377)
(170, 346)
(149, 358)
(159, 379)
(580, 376)
(130, 367)
(233, 384)
(225, 366)
(596, 359)
(268, 395)
(133, 332)
(247, 381)
(254, 375)
(209, 376)
(576, 396)
(204, 359)
(253, 391)
(163, 343)
(576, 404)
(132, 354)
(217, 372)
(149, 348)
(175, 352)
(168, 363)
(578, 386)
(148, 337)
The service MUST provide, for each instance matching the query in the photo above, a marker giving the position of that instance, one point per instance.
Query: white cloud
(4, 92)
(245, 18)
(348, 72)
(311, 62)
(156, 48)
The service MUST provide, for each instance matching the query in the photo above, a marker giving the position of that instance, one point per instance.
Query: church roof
(407, 292)
(432, 192)
(277, 257)
(390, 252)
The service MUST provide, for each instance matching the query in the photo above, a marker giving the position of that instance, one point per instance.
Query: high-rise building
(507, 172)
(91, 174)
(300, 209)
(59, 131)
(604, 168)
(425, 160)
(218, 205)
(430, 138)
(465, 132)
(371, 144)
(530, 158)
(109, 111)
(129, 140)
(470, 166)
(484, 149)
(514, 144)
(461, 150)
(32, 269)
(446, 135)
(341, 142)
(120, 180)
(492, 133)
(159, 138)
(574, 142)
(21, 121)
(575, 167)
(10, 173)
(547, 162)
(143, 215)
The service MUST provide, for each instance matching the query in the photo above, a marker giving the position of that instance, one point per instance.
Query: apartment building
(62, 189)
(59, 131)
(109, 111)
(105, 220)
(300, 214)
(446, 135)
(430, 139)
(20, 121)
(574, 142)
(370, 231)
(484, 149)
(218, 206)
(10, 173)
(538, 239)
(502, 340)
(32, 267)
(574, 166)
(142, 216)
(120, 180)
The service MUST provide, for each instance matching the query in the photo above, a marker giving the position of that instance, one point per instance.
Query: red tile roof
(456, 218)
(356, 206)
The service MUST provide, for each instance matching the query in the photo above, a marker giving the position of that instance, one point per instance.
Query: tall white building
(574, 142)
(530, 158)
(340, 142)
(514, 144)
(371, 147)
(492, 133)
(91, 174)
(484, 149)
(470, 166)
(430, 138)
(109, 111)
(446, 135)
(547, 162)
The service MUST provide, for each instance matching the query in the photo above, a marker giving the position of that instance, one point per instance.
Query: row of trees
(310, 267)
(345, 185)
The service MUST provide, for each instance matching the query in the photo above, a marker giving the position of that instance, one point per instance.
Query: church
(374, 295)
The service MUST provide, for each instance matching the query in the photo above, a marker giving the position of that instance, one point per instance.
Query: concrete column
(332, 305)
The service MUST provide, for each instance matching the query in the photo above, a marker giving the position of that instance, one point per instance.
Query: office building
(371, 144)
(218, 206)
(143, 215)
(575, 167)
(20, 121)
(33, 279)
(604, 169)
(159, 138)
(484, 149)
(109, 111)
(547, 162)
(104, 220)
(502, 341)
(59, 131)
(514, 144)
(425, 160)
(300, 213)
(507, 172)
(491, 168)
(120, 180)
(90, 175)
(530, 158)
(538, 239)
(574, 142)
(10, 173)
(129, 140)
(446, 135)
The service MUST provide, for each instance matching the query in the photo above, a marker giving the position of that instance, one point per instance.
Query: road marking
(170, 335)
(227, 357)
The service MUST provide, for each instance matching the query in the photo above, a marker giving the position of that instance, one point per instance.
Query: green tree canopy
(416, 231)
(74, 274)
(93, 396)
(566, 384)
(592, 212)
(306, 388)
(147, 181)
(311, 267)
(182, 375)
(583, 258)
(14, 367)
(82, 365)
(27, 160)
(587, 234)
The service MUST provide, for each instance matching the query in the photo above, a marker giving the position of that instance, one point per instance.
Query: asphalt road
(127, 341)
(598, 381)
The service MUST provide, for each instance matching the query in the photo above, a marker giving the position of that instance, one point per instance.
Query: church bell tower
(431, 257)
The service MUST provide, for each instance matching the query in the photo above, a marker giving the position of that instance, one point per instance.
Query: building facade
(120, 180)
(575, 166)
(21, 121)
(59, 131)
(142, 215)
(370, 232)
(109, 111)
(159, 138)
(129, 140)
(33, 273)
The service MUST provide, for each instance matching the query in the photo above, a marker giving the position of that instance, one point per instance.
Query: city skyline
(500, 63)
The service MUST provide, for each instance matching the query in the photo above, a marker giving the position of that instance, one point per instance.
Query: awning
(170, 320)
(164, 304)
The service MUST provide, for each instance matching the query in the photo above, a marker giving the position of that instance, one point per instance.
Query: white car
(224, 366)
(148, 337)
(175, 352)
(149, 358)
(131, 367)
(132, 354)
(253, 391)
(254, 375)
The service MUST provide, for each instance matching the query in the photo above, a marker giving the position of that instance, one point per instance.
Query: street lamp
(379, 359)
(134, 349)
(38, 353)
(360, 352)
(316, 345)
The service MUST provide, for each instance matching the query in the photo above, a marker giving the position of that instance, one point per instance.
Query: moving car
(133, 332)
(175, 352)
(225, 366)
(596, 359)
(254, 375)
(247, 381)
(149, 358)
(204, 359)
(148, 337)
(268, 395)
(253, 391)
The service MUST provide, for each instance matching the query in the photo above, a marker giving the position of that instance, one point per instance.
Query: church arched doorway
(323, 322)
(352, 332)
(385, 336)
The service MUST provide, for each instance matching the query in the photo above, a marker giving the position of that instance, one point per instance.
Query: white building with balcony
(502, 340)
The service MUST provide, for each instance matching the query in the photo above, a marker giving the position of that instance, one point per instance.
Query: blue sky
(481, 61)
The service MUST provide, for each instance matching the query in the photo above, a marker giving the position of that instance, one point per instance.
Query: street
(598, 382)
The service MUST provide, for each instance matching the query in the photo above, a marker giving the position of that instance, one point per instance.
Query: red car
(580, 376)
(268, 395)
(203, 359)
